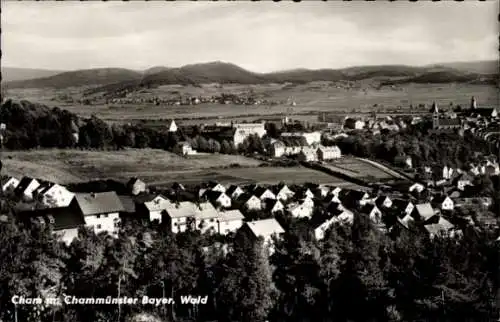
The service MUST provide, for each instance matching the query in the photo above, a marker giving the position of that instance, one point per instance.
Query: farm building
(328, 153)
(310, 138)
(100, 210)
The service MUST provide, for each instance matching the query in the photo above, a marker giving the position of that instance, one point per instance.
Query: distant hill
(10, 74)
(88, 77)
(124, 80)
(478, 67)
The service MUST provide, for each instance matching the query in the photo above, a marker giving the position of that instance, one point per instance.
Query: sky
(259, 36)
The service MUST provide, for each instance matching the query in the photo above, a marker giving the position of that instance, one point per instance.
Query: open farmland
(362, 169)
(312, 97)
(153, 166)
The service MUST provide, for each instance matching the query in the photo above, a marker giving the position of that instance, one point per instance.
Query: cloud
(260, 36)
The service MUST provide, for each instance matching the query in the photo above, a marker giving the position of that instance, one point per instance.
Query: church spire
(473, 103)
(434, 108)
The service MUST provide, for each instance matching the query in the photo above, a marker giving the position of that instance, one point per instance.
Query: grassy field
(75, 165)
(153, 166)
(312, 97)
(359, 169)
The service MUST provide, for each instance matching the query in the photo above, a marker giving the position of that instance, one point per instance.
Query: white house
(323, 190)
(264, 193)
(336, 191)
(443, 227)
(308, 193)
(206, 218)
(463, 181)
(276, 206)
(308, 154)
(403, 206)
(218, 199)
(310, 138)
(234, 192)
(328, 153)
(320, 227)
(266, 228)
(383, 202)
(423, 212)
(156, 207)
(373, 212)
(26, 187)
(172, 127)
(301, 210)
(244, 130)
(179, 216)
(55, 196)
(10, 185)
(136, 186)
(284, 193)
(214, 186)
(277, 149)
(251, 202)
(100, 210)
(185, 148)
(229, 221)
(443, 202)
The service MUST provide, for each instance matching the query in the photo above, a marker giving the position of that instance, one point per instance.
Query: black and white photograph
(250, 161)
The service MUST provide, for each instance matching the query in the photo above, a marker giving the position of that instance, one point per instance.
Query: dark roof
(128, 204)
(259, 191)
(434, 108)
(23, 184)
(439, 199)
(212, 195)
(380, 200)
(449, 122)
(400, 203)
(98, 203)
(366, 209)
(64, 217)
(143, 197)
(231, 190)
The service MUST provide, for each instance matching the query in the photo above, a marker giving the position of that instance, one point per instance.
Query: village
(440, 205)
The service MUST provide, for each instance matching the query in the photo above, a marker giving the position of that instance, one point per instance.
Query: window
(99, 226)
(212, 220)
(105, 215)
(98, 216)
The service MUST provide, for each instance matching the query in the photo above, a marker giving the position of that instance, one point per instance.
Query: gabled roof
(259, 191)
(98, 203)
(158, 203)
(368, 208)
(230, 215)
(134, 180)
(212, 195)
(232, 189)
(401, 203)
(24, 184)
(63, 217)
(439, 199)
(265, 228)
(180, 210)
(443, 225)
(128, 204)
(204, 210)
(424, 210)
(246, 197)
(178, 186)
(380, 200)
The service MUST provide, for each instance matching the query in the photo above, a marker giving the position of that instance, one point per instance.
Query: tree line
(356, 273)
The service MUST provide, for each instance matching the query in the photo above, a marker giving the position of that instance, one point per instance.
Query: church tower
(435, 116)
(473, 103)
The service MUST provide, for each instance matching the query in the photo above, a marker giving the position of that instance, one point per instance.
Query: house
(250, 202)
(309, 138)
(172, 127)
(336, 191)
(320, 225)
(26, 187)
(218, 199)
(352, 198)
(156, 206)
(307, 154)
(178, 187)
(10, 185)
(266, 229)
(54, 195)
(403, 206)
(214, 186)
(136, 186)
(284, 193)
(323, 190)
(277, 149)
(276, 206)
(308, 193)
(463, 181)
(229, 221)
(205, 216)
(373, 212)
(416, 187)
(339, 212)
(383, 202)
(234, 192)
(423, 212)
(442, 202)
(264, 193)
(100, 210)
(241, 131)
(328, 153)
(301, 210)
(333, 198)
(352, 124)
(64, 222)
(129, 207)
(178, 216)
(184, 148)
(442, 227)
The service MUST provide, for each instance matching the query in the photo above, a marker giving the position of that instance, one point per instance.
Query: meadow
(309, 98)
(155, 167)
(358, 168)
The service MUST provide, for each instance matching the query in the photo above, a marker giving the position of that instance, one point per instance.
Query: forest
(356, 273)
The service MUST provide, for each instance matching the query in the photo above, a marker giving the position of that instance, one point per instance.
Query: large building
(440, 123)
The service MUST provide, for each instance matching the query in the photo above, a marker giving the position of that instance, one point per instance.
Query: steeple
(473, 103)
(434, 108)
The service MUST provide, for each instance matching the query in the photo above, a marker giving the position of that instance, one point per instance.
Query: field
(309, 98)
(361, 169)
(153, 166)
